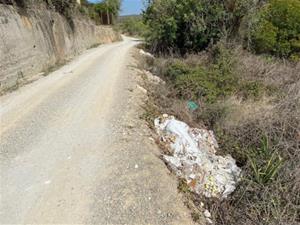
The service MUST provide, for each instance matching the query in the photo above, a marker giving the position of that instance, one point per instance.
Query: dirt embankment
(36, 39)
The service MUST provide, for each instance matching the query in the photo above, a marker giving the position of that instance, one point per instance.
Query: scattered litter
(142, 52)
(151, 139)
(48, 182)
(192, 105)
(193, 158)
(207, 214)
(152, 78)
(136, 166)
(209, 220)
(142, 89)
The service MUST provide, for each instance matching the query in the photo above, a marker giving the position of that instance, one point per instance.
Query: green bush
(133, 26)
(252, 89)
(212, 82)
(197, 84)
(209, 83)
(191, 25)
(176, 69)
(265, 37)
(182, 26)
(277, 31)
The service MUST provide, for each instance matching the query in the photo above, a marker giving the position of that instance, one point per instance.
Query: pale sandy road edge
(103, 170)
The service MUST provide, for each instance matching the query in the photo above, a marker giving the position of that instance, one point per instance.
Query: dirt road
(73, 150)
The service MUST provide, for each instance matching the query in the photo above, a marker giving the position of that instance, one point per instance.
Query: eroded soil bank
(35, 39)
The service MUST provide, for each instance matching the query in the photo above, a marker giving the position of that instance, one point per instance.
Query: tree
(277, 29)
(108, 10)
(190, 25)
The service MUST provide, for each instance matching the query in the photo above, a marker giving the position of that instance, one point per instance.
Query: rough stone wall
(34, 40)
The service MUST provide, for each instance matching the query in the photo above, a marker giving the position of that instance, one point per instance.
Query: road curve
(62, 158)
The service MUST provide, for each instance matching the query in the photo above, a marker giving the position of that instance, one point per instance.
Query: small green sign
(192, 105)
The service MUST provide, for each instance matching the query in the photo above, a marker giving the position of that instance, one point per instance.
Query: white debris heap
(147, 54)
(193, 157)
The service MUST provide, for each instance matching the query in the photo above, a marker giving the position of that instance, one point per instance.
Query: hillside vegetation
(239, 61)
(104, 12)
(190, 26)
(132, 26)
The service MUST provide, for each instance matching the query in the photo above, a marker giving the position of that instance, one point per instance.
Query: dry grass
(239, 111)
(241, 132)
(271, 71)
(243, 126)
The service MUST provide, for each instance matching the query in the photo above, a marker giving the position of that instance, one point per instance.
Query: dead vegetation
(258, 125)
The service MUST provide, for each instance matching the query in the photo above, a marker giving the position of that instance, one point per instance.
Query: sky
(129, 7)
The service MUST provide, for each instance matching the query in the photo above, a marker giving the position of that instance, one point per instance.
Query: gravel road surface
(74, 151)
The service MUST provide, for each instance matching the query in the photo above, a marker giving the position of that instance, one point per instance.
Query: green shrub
(191, 25)
(197, 84)
(177, 69)
(264, 162)
(265, 37)
(183, 26)
(133, 26)
(277, 31)
(207, 84)
(251, 89)
(212, 82)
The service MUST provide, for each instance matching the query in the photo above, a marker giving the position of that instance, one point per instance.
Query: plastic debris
(193, 157)
(152, 78)
(207, 214)
(142, 52)
(48, 182)
(192, 105)
(143, 90)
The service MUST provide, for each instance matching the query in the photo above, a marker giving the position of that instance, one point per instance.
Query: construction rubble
(152, 78)
(147, 54)
(193, 157)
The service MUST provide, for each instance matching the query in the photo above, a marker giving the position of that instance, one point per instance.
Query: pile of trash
(193, 157)
(147, 54)
(152, 78)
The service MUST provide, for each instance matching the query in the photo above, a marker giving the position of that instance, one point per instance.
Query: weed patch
(255, 118)
(212, 82)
